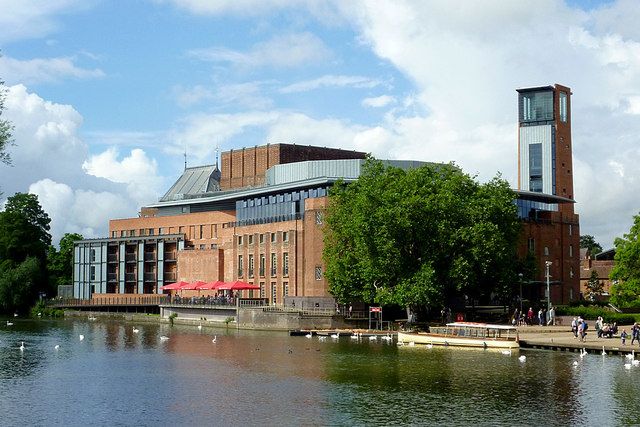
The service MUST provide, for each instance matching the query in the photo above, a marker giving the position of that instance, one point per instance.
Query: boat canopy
(480, 326)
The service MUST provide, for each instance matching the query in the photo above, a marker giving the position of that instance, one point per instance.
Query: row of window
(272, 237)
(262, 265)
(531, 245)
(203, 231)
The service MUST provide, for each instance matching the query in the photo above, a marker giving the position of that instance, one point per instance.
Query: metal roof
(194, 180)
(542, 197)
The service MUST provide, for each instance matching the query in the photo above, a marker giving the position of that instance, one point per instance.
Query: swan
(9, 323)
(81, 337)
(135, 330)
(575, 363)
(335, 336)
(322, 338)
(522, 358)
(309, 335)
(412, 344)
(429, 345)
(583, 353)
(506, 352)
(635, 362)
(373, 338)
(57, 347)
(199, 327)
(355, 336)
(631, 356)
(627, 366)
(604, 353)
(164, 338)
(215, 337)
(21, 345)
(387, 337)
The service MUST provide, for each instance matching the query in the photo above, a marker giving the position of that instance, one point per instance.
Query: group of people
(579, 328)
(543, 318)
(208, 300)
(605, 330)
(635, 334)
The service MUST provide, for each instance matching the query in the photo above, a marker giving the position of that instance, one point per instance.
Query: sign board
(375, 309)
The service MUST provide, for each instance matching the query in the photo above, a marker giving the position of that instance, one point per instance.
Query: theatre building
(259, 218)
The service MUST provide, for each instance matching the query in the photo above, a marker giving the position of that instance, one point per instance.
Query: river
(115, 376)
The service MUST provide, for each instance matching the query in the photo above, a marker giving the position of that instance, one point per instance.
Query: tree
(60, 262)
(420, 238)
(19, 286)
(589, 242)
(594, 286)
(28, 206)
(626, 272)
(5, 130)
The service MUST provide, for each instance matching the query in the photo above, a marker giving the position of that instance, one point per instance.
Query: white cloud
(331, 81)
(247, 95)
(240, 7)
(378, 101)
(47, 160)
(41, 70)
(288, 50)
(36, 18)
(136, 170)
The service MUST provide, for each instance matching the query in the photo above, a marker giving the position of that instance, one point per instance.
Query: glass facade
(275, 208)
(536, 106)
(535, 168)
(563, 106)
(528, 209)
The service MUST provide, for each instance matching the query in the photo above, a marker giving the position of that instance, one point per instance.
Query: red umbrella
(237, 286)
(193, 285)
(211, 285)
(174, 286)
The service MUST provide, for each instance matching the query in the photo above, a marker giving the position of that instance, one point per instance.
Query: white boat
(465, 334)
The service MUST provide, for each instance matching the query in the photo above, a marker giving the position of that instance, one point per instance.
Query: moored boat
(465, 334)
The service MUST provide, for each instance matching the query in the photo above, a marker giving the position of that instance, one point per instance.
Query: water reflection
(247, 377)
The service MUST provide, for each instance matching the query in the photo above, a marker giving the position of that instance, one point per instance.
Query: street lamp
(548, 264)
(520, 275)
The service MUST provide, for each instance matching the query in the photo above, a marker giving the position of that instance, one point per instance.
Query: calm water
(117, 377)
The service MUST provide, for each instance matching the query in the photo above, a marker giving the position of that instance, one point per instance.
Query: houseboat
(464, 334)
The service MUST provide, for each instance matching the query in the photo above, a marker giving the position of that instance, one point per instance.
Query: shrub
(41, 310)
(592, 313)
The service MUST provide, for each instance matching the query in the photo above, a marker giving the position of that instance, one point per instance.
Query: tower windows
(563, 107)
(535, 167)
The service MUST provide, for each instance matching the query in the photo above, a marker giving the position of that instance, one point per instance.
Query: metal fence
(116, 300)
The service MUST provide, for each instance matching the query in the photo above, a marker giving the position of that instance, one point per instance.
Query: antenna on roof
(217, 148)
(185, 157)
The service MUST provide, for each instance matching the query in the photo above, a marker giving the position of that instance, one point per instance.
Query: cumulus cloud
(287, 50)
(331, 81)
(48, 158)
(378, 101)
(42, 70)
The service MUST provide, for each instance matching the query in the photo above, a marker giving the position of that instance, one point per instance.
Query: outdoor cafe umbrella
(211, 285)
(237, 286)
(174, 286)
(194, 285)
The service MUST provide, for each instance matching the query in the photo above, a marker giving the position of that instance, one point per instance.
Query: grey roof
(542, 197)
(194, 181)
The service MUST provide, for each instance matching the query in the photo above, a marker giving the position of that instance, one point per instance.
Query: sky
(106, 97)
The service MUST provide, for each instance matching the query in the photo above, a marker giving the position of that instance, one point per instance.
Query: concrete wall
(259, 319)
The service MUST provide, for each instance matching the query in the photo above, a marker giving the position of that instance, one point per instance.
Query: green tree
(28, 206)
(420, 238)
(5, 129)
(60, 262)
(19, 285)
(594, 286)
(589, 242)
(626, 272)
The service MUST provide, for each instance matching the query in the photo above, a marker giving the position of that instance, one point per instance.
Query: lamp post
(547, 265)
(520, 276)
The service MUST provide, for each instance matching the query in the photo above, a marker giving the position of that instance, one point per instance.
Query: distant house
(602, 263)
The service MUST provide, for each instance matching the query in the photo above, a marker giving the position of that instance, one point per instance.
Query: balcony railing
(110, 300)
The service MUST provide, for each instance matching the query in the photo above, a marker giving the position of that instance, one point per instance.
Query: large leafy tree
(626, 272)
(589, 242)
(60, 262)
(420, 238)
(28, 206)
(20, 285)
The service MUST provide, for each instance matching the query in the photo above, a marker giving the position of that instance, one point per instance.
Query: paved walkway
(561, 338)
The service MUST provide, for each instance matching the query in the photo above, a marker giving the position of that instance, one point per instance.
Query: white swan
(9, 323)
(575, 363)
(57, 347)
(22, 346)
(412, 344)
(335, 336)
(583, 353)
(604, 353)
(164, 338)
(522, 358)
(135, 330)
(81, 337)
(355, 336)
(635, 362)
(373, 338)
(199, 327)
(631, 356)
(309, 335)
(387, 337)
(215, 337)
(322, 338)
(506, 352)
(627, 366)
(429, 345)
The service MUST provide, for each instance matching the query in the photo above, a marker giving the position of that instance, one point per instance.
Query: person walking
(635, 333)
(530, 316)
(574, 327)
(540, 317)
(552, 316)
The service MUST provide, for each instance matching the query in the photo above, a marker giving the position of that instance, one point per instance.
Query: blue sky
(105, 96)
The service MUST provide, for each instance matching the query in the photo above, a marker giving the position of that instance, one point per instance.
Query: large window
(262, 265)
(285, 263)
(563, 106)
(318, 272)
(535, 167)
(536, 106)
(274, 264)
(250, 265)
(274, 292)
(240, 266)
